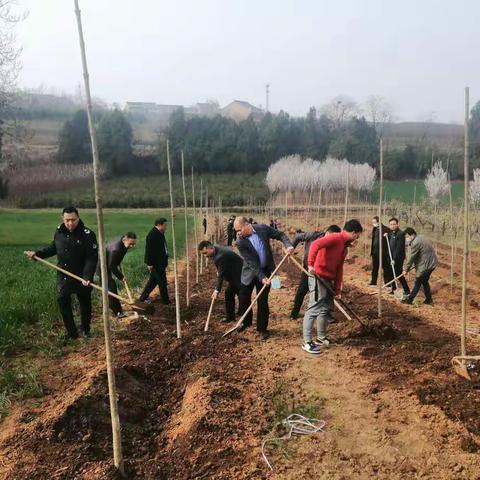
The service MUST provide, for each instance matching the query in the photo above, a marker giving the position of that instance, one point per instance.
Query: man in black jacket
(375, 253)
(229, 267)
(253, 243)
(156, 258)
(77, 251)
(396, 240)
(116, 251)
(230, 231)
(306, 238)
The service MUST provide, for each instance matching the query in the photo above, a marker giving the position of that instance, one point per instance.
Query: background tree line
(222, 145)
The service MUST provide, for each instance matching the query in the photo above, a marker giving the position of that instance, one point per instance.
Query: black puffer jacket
(76, 251)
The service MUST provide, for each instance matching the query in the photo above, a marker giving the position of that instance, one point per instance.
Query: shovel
(207, 323)
(463, 364)
(129, 292)
(397, 294)
(335, 301)
(257, 296)
(136, 305)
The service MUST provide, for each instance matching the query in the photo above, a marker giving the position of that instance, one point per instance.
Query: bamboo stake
(452, 240)
(347, 188)
(112, 388)
(175, 273)
(466, 201)
(380, 233)
(195, 230)
(185, 206)
(201, 215)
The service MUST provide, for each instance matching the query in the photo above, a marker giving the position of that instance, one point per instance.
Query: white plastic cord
(297, 425)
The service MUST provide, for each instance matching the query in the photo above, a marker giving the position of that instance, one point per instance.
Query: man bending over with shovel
(253, 243)
(325, 264)
(425, 260)
(77, 251)
(229, 267)
(116, 251)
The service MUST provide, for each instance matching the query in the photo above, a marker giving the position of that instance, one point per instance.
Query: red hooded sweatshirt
(327, 255)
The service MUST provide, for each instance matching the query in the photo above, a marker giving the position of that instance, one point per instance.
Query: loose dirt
(199, 407)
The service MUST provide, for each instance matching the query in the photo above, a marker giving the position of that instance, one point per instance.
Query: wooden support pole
(466, 203)
(112, 388)
(195, 229)
(201, 215)
(187, 259)
(174, 249)
(380, 233)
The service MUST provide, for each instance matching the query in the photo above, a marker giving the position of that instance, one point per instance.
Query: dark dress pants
(157, 277)
(263, 311)
(302, 290)
(84, 294)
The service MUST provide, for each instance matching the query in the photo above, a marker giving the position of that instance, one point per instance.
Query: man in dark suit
(230, 230)
(156, 258)
(375, 253)
(253, 243)
(396, 240)
(229, 268)
(116, 251)
(306, 238)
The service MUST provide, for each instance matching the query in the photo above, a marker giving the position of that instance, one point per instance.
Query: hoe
(138, 306)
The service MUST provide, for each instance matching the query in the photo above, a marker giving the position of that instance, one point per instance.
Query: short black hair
(204, 244)
(299, 230)
(333, 229)
(393, 219)
(160, 221)
(409, 231)
(353, 226)
(70, 209)
(376, 218)
(131, 235)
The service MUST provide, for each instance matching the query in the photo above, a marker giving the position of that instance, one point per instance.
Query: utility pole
(267, 97)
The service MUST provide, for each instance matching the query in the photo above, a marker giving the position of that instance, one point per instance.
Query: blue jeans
(320, 307)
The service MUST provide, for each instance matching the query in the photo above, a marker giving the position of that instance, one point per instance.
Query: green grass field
(29, 317)
(153, 192)
(403, 191)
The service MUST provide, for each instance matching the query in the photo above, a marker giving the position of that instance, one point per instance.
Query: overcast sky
(417, 54)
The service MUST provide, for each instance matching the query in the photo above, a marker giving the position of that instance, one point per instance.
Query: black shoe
(407, 301)
(392, 292)
(87, 333)
(371, 284)
(226, 320)
(428, 302)
(264, 335)
(294, 316)
(165, 302)
(242, 328)
(67, 338)
(120, 315)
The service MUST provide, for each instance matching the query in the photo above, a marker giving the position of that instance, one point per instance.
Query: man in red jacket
(325, 264)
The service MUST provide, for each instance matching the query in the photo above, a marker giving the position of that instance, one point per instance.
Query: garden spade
(464, 364)
(398, 295)
(141, 307)
(129, 292)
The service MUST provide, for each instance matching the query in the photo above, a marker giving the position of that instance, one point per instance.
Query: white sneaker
(310, 347)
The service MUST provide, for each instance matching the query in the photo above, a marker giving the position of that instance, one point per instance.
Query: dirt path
(200, 407)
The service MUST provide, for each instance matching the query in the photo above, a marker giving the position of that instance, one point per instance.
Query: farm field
(233, 189)
(152, 192)
(393, 407)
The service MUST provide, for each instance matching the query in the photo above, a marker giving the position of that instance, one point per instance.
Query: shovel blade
(142, 307)
(460, 368)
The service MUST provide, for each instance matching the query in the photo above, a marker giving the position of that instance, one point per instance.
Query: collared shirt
(259, 248)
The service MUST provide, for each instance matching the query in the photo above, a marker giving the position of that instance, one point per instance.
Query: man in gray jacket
(253, 243)
(424, 259)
